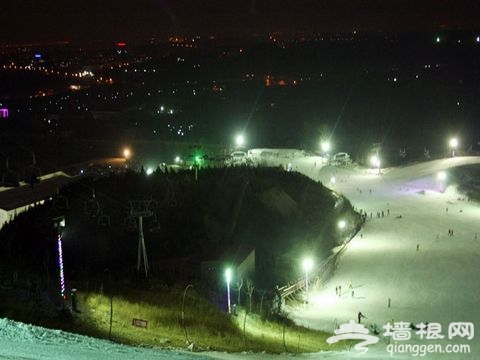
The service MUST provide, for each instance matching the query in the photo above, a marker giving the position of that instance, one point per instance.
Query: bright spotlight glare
(342, 224)
(149, 171)
(307, 264)
(239, 140)
(453, 142)
(325, 146)
(442, 175)
(228, 275)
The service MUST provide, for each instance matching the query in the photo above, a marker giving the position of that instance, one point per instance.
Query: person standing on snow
(360, 316)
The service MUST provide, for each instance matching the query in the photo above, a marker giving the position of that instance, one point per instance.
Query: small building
(15, 200)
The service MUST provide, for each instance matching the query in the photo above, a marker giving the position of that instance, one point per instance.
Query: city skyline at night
(33, 21)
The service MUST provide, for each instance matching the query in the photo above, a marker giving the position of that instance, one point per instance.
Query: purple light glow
(60, 265)
(3, 112)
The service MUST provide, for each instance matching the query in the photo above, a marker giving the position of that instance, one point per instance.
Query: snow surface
(438, 283)
(22, 341)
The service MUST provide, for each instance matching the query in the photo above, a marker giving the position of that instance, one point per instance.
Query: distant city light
(37, 56)
(3, 112)
(126, 153)
(438, 39)
(478, 39)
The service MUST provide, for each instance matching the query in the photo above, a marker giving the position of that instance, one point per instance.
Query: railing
(318, 275)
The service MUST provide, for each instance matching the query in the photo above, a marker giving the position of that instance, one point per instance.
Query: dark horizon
(74, 21)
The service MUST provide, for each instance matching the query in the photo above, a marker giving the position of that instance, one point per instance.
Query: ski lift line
(138, 210)
(142, 208)
(92, 206)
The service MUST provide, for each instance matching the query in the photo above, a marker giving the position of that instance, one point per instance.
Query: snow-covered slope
(437, 283)
(21, 341)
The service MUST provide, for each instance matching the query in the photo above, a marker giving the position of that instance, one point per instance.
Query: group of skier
(338, 289)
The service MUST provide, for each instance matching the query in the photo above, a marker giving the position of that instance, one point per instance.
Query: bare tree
(239, 287)
(250, 288)
(262, 292)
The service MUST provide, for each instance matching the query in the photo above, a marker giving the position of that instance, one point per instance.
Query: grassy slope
(206, 327)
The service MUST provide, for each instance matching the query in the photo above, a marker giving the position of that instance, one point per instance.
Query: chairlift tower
(140, 209)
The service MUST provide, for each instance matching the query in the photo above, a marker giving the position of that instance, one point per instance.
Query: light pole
(183, 312)
(59, 223)
(307, 266)
(325, 145)
(375, 161)
(228, 277)
(333, 180)
(442, 177)
(239, 140)
(127, 154)
(341, 226)
(453, 146)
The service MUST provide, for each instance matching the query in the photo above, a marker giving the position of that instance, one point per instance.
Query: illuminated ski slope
(438, 283)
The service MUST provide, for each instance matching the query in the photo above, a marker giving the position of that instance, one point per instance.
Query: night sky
(109, 20)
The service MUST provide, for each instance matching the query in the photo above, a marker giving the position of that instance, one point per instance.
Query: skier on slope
(360, 316)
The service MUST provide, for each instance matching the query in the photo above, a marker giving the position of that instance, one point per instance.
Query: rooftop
(15, 197)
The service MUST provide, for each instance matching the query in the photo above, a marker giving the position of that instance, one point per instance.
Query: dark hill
(282, 215)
